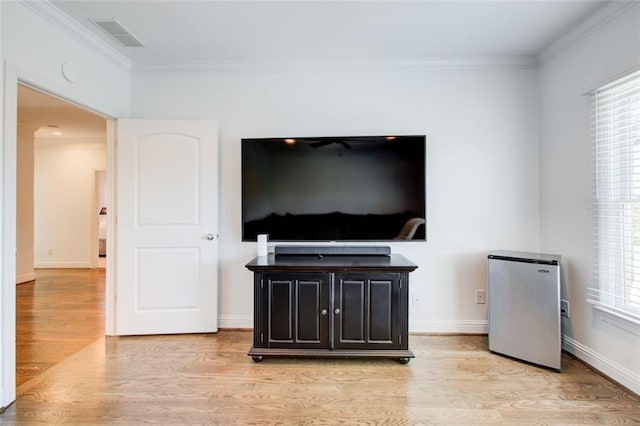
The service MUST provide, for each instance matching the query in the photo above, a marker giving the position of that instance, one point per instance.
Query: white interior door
(167, 225)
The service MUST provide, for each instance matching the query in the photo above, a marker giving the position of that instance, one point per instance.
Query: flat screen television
(356, 188)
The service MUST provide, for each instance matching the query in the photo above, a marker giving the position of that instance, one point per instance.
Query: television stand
(333, 305)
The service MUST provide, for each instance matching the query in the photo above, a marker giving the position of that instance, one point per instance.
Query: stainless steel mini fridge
(524, 306)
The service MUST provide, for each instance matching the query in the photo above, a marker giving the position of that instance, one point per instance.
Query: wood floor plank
(209, 379)
(58, 314)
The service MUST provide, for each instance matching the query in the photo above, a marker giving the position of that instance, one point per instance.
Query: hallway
(58, 314)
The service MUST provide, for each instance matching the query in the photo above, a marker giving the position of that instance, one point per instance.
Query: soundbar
(286, 250)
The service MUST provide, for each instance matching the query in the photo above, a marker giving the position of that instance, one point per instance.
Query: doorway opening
(60, 299)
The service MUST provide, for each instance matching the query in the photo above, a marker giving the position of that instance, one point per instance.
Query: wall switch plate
(564, 308)
(481, 296)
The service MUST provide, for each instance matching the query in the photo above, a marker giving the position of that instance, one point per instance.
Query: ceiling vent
(117, 32)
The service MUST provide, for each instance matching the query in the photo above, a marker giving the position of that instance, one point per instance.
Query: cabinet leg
(258, 358)
(404, 360)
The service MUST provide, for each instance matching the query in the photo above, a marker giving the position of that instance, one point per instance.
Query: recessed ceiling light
(55, 130)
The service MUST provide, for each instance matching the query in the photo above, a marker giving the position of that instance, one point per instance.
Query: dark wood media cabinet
(331, 306)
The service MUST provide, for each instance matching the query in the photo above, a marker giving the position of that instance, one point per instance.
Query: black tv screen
(362, 188)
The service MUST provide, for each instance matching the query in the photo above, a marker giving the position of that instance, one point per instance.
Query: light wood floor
(208, 379)
(56, 316)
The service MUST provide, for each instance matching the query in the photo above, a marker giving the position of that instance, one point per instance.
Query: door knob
(210, 236)
(337, 311)
(323, 312)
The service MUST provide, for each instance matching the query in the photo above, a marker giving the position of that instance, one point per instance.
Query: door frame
(8, 156)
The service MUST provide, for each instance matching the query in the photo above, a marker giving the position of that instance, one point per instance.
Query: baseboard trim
(604, 365)
(436, 327)
(83, 264)
(235, 321)
(449, 327)
(25, 278)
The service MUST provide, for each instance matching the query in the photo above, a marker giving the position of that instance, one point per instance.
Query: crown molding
(604, 15)
(585, 28)
(501, 62)
(55, 16)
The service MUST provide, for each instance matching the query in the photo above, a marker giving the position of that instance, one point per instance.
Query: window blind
(615, 127)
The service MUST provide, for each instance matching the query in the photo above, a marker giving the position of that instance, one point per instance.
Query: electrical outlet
(481, 296)
(564, 308)
(50, 252)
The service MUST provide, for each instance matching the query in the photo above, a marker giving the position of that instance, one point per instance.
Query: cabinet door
(295, 309)
(368, 311)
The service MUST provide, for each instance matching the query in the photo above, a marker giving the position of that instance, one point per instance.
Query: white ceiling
(253, 32)
(186, 32)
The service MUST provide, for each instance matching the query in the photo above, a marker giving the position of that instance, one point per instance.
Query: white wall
(7, 290)
(37, 40)
(101, 178)
(566, 182)
(64, 202)
(33, 46)
(482, 162)
(24, 199)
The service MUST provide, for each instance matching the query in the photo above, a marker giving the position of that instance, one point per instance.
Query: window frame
(615, 123)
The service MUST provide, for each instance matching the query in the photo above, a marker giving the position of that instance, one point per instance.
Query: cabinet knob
(323, 312)
(337, 311)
